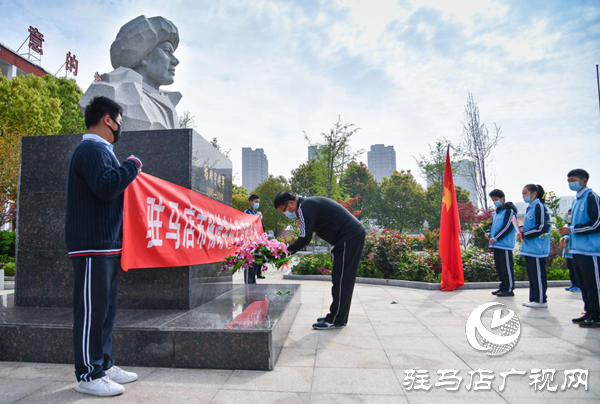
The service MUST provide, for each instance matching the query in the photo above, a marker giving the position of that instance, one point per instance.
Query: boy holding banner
(93, 231)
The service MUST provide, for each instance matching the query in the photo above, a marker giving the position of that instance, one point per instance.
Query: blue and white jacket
(536, 231)
(503, 231)
(584, 238)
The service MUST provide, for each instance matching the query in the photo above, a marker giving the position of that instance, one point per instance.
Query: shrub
(313, 264)
(478, 235)
(9, 269)
(7, 243)
(478, 266)
(431, 240)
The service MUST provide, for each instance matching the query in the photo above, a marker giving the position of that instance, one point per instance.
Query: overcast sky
(259, 73)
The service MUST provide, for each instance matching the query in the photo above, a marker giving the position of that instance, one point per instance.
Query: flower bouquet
(261, 251)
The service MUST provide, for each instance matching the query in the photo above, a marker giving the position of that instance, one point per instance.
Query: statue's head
(146, 45)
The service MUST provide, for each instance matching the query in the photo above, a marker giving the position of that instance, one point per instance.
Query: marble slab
(244, 328)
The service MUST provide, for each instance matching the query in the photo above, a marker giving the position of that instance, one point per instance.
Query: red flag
(166, 225)
(452, 269)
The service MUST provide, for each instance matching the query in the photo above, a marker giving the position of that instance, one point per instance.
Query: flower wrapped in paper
(261, 251)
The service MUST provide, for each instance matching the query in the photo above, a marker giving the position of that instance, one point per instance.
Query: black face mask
(116, 133)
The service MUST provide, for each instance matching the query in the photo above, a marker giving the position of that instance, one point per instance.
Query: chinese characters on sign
(197, 228)
(35, 40)
(72, 64)
(217, 182)
(478, 380)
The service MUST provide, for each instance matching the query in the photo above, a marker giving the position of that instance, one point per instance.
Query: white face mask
(291, 215)
(255, 206)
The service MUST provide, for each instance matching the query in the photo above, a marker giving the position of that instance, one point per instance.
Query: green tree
(432, 165)
(334, 153)
(402, 205)
(273, 219)
(358, 181)
(31, 106)
(239, 197)
(433, 206)
(69, 94)
(309, 179)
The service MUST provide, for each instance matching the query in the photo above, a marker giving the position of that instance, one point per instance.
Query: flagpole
(598, 82)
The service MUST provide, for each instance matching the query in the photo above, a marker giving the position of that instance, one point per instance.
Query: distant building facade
(381, 161)
(255, 168)
(13, 65)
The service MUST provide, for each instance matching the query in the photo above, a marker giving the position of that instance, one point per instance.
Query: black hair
(538, 190)
(579, 173)
(253, 197)
(570, 210)
(283, 197)
(497, 193)
(98, 108)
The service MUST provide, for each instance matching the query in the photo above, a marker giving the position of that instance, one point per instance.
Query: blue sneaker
(320, 319)
(325, 326)
(569, 288)
(575, 289)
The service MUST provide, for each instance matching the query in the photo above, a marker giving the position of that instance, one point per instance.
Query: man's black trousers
(346, 259)
(96, 281)
(505, 268)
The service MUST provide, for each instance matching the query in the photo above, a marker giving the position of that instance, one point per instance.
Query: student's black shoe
(590, 323)
(496, 292)
(260, 277)
(505, 294)
(580, 319)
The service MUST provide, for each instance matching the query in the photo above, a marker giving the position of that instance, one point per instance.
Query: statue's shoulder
(121, 75)
(121, 85)
(173, 96)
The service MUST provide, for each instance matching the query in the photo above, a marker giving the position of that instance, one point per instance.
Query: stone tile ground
(365, 361)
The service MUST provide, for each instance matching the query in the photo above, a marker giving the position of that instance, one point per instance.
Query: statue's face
(159, 69)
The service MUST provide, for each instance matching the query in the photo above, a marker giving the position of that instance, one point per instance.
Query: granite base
(229, 332)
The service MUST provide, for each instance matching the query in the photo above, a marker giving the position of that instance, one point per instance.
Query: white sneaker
(100, 387)
(526, 304)
(121, 376)
(536, 305)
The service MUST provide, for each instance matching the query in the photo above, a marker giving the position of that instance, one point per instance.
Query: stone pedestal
(44, 271)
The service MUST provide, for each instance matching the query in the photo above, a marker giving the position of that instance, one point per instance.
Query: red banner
(166, 225)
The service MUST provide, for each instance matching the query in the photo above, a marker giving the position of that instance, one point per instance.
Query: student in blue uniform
(502, 241)
(584, 244)
(253, 272)
(536, 244)
(570, 264)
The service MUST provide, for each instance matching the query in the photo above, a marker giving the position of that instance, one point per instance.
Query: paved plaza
(364, 362)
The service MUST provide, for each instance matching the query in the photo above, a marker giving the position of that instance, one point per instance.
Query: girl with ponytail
(536, 244)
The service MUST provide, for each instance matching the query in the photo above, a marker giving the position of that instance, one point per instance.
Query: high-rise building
(255, 168)
(463, 177)
(381, 161)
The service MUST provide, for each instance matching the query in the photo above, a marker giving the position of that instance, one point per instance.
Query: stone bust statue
(143, 59)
